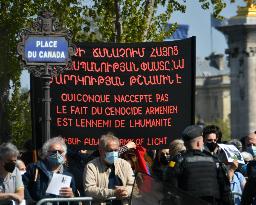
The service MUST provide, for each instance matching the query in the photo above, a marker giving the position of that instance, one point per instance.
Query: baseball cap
(191, 132)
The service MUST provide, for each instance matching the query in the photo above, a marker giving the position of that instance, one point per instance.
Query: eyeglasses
(55, 151)
(111, 150)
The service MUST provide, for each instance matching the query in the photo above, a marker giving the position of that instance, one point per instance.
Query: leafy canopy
(98, 20)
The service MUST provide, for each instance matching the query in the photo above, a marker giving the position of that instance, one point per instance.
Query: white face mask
(22, 172)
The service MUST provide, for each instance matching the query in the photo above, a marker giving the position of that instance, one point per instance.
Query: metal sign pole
(46, 50)
(46, 130)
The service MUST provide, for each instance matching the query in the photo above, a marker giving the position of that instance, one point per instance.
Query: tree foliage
(135, 20)
(98, 20)
(19, 115)
(15, 15)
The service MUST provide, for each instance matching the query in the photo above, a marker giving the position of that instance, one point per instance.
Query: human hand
(66, 192)
(131, 145)
(234, 165)
(15, 197)
(121, 192)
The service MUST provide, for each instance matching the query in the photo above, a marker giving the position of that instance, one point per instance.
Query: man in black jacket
(197, 172)
(38, 175)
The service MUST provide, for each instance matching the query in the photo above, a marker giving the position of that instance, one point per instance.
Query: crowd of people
(195, 164)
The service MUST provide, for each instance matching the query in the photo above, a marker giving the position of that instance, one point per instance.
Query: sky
(199, 22)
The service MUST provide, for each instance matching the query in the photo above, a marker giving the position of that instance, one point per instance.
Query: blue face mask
(252, 150)
(111, 157)
(55, 159)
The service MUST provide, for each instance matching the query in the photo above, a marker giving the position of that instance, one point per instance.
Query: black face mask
(9, 166)
(163, 160)
(211, 146)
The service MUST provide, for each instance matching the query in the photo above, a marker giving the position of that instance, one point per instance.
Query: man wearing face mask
(39, 174)
(11, 186)
(249, 193)
(196, 171)
(107, 175)
(250, 144)
(249, 169)
(212, 136)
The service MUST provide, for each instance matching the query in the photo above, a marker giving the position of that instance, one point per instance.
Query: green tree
(15, 15)
(19, 115)
(98, 20)
(136, 20)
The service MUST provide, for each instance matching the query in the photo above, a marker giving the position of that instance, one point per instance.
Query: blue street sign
(50, 49)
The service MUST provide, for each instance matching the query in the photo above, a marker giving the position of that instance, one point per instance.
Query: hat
(191, 132)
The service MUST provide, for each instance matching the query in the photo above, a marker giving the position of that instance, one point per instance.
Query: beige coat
(96, 175)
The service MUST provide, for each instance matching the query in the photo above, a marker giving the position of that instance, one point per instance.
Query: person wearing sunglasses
(38, 175)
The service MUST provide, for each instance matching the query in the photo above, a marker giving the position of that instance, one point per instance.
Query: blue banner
(180, 33)
(50, 49)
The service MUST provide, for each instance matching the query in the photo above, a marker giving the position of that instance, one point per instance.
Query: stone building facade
(240, 33)
(212, 97)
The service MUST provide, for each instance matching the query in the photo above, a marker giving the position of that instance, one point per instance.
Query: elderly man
(11, 186)
(196, 172)
(38, 175)
(250, 147)
(250, 143)
(107, 175)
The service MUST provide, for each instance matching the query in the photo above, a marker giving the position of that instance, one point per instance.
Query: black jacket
(36, 180)
(201, 175)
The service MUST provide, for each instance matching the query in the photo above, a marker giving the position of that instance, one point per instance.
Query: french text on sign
(47, 44)
(61, 109)
(139, 92)
(93, 123)
(78, 110)
(84, 98)
(50, 49)
(156, 122)
(64, 122)
(133, 98)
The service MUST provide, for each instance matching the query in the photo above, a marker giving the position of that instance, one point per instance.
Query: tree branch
(118, 29)
(149, 8)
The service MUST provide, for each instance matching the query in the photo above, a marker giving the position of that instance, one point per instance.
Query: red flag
(142, 164)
